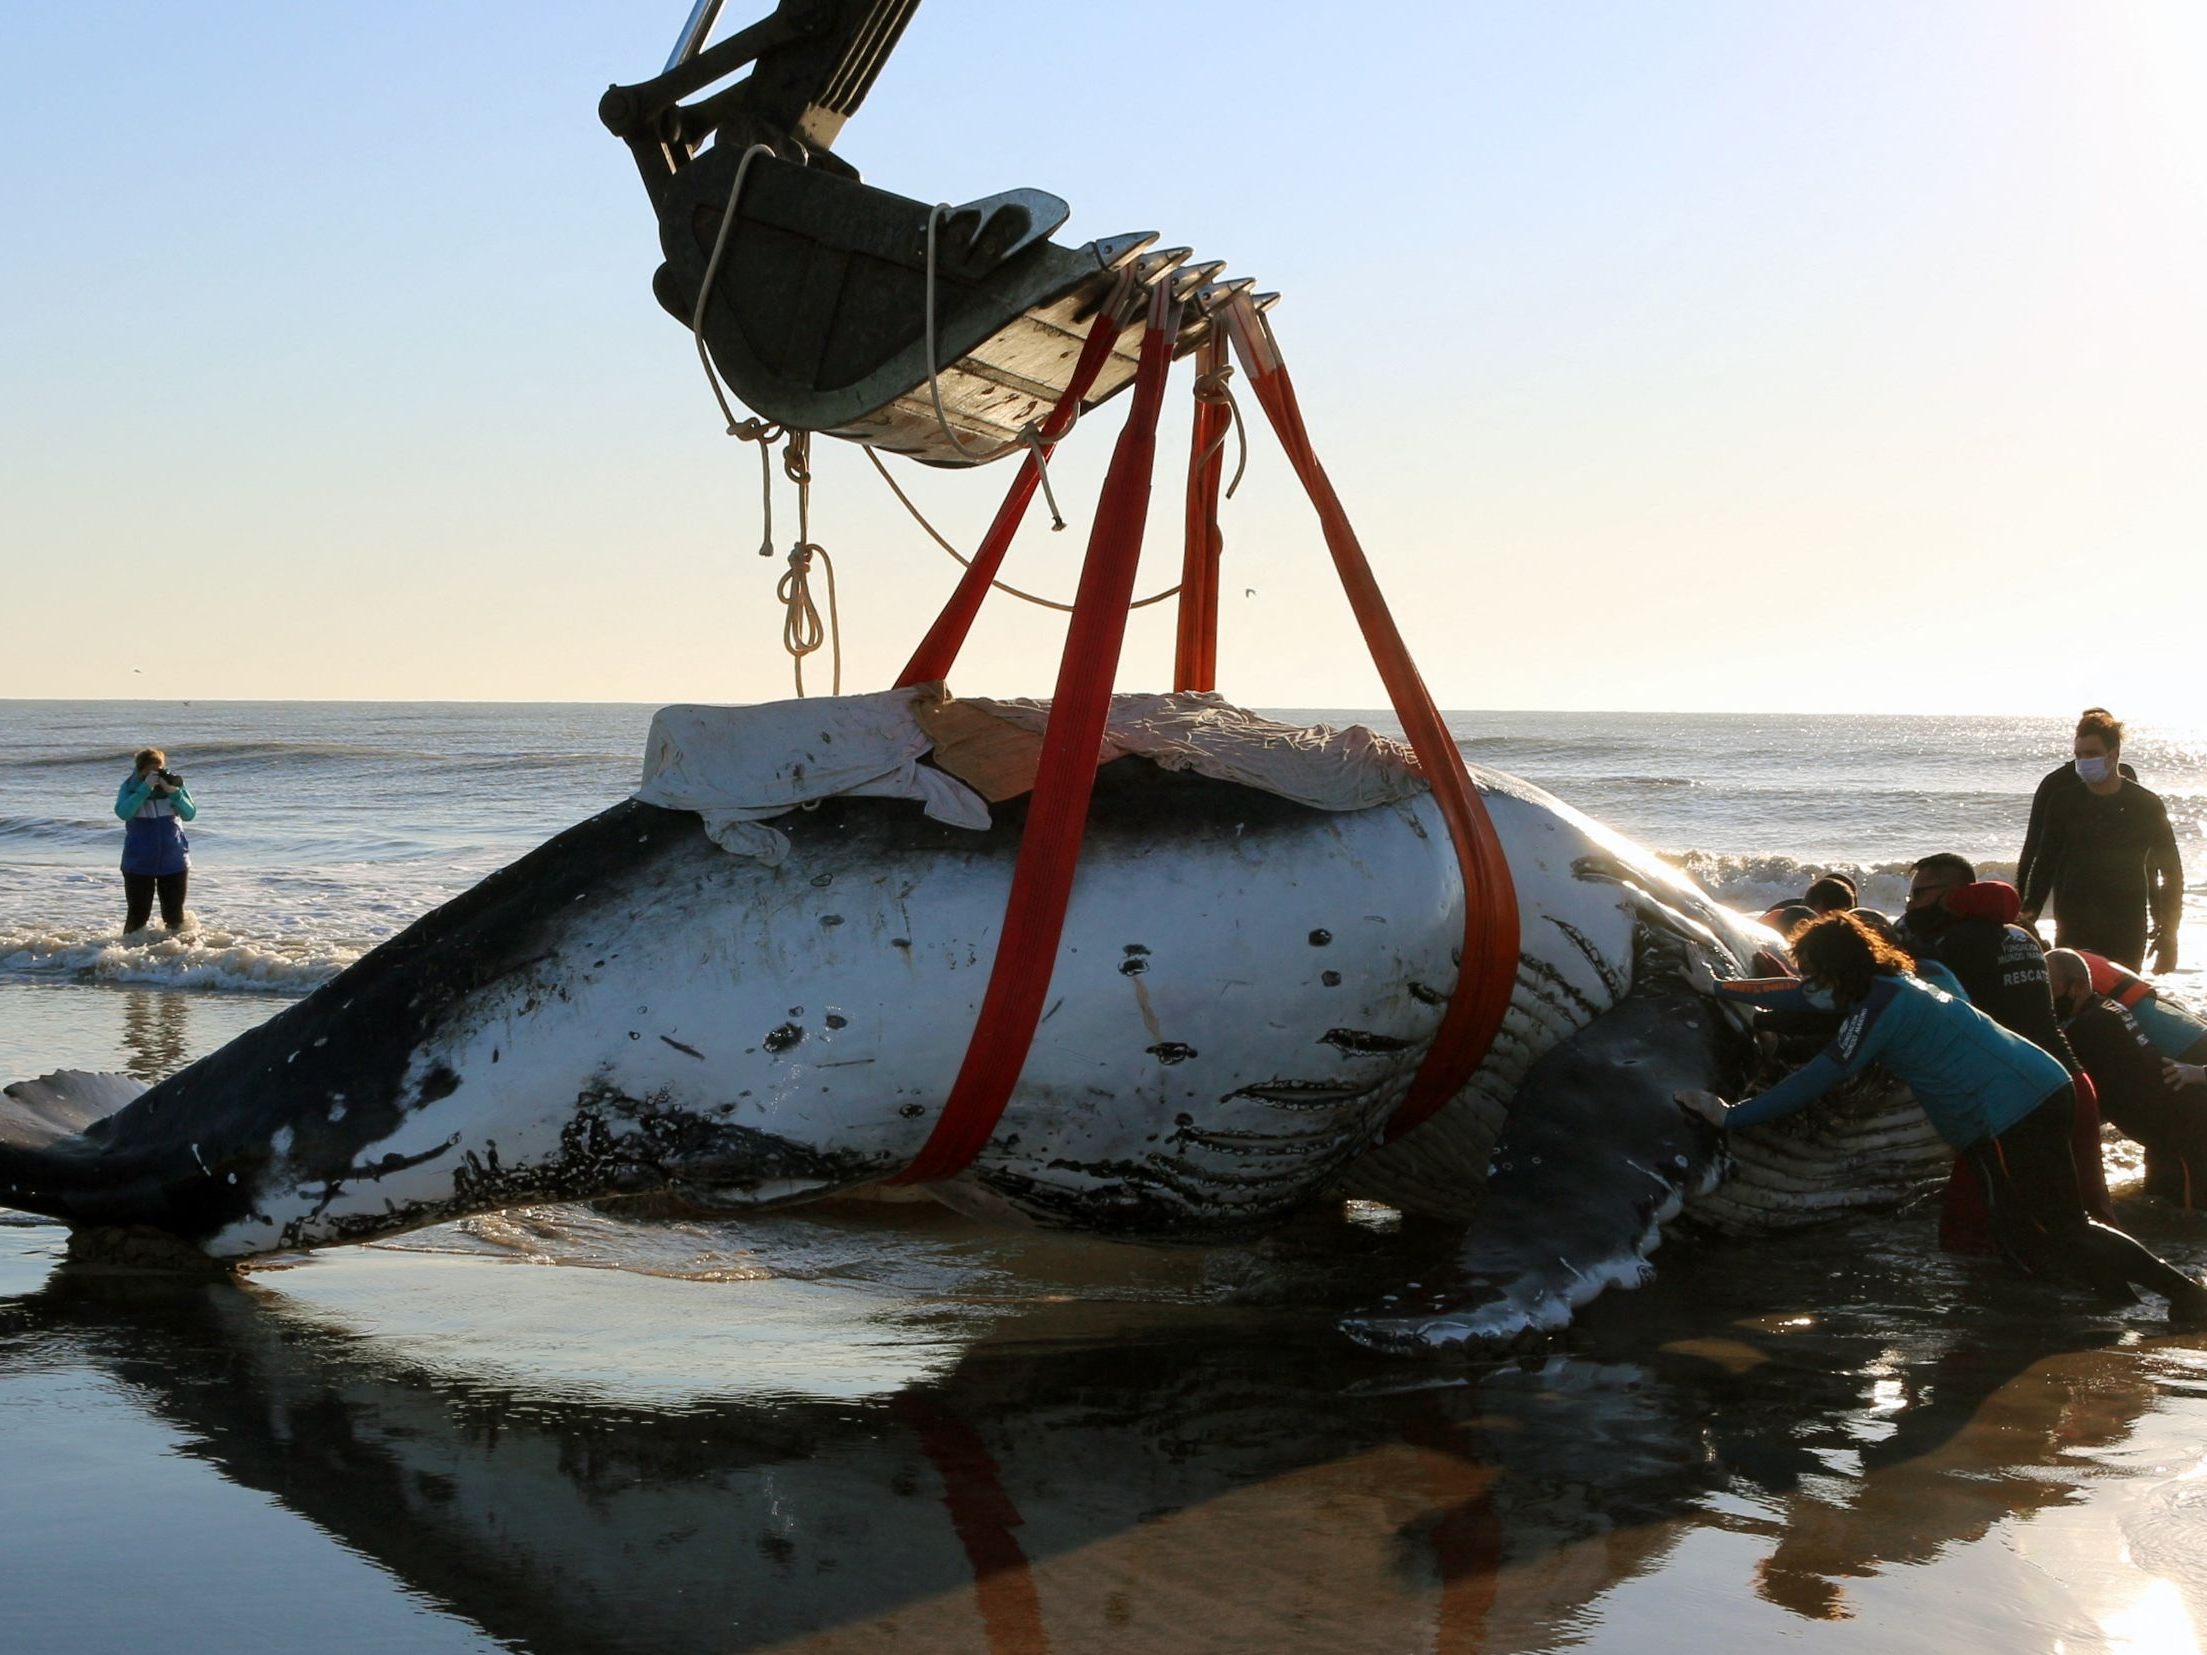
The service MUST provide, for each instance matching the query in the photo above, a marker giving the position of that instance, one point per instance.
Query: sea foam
(194, 958)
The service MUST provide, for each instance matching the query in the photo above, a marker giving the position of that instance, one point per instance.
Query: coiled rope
(802, 632)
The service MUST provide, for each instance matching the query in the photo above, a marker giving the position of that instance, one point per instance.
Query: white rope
(1213, 387)
(766, 436)
(801, 629)
(705, 292)
(746, 430)
(802, 632)
(1028, 436)
(935, 535)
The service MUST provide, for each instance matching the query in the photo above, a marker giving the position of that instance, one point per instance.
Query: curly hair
(1847, 955)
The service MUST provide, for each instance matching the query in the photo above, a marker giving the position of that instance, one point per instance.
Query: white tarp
(741, 766)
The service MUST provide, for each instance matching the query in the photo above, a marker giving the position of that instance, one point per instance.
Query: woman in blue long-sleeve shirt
(1993, 1095)
(154, 805)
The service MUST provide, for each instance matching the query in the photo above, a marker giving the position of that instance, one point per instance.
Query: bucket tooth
(1210, 299)
(1194, 276)
(1111, 252)
(1152, 268)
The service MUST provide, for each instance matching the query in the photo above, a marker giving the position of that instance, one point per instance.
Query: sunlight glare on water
(2156, 1622)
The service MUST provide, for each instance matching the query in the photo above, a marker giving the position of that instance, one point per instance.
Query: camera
(171, 777)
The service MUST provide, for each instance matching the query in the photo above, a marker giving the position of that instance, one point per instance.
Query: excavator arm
(812, 64)
(817, 294)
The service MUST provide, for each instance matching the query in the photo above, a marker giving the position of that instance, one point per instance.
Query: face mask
(1819, 999)
(2093, 771)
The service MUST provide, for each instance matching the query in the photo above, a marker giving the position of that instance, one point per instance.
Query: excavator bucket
(818, 300)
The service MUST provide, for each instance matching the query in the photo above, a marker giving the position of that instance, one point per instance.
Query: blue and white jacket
(153, 829)
(1973, 1078)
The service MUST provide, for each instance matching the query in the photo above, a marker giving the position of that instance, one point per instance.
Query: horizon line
(495, 701)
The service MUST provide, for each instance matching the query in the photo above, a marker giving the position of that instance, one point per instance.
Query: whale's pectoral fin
(49, 1129)
(34, 1114)
(1597, 1155)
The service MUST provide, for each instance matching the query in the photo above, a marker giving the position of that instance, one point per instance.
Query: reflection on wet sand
(157, 1033)
(1972, 1443)
(1075, 1480)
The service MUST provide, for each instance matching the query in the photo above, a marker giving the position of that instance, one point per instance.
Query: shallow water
(889, 1427)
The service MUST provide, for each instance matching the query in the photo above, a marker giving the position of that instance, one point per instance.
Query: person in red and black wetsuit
(2135, 1093)
(2100, 848)
(2174, 1031)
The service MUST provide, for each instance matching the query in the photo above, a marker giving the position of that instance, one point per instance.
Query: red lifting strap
(1488, 971)
(938, 651)
(1057, 812)
(1195, 652)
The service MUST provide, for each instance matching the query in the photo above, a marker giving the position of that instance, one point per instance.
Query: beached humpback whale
(1244, 988)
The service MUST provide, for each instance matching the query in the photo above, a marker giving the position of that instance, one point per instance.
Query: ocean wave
(194, 958)
(252, 755)
(1530, 745)
(1753, 883)
(219, 752)
(54, 830)
(523, 763)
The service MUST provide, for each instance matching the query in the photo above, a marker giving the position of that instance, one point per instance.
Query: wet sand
(882, 1428)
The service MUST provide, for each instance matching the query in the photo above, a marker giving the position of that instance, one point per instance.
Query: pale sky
(1825, 356)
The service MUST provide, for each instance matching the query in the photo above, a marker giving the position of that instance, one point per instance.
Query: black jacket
(2003, 969)
(2115, 854)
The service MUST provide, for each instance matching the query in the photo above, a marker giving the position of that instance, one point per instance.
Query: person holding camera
(154, 805)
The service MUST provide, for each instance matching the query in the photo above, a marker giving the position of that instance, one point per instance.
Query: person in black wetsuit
(2099, 847)
(1966, 924)
(1832, 894)
(2135, 1093)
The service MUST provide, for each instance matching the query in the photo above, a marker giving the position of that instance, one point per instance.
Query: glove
(1706, 1106)
(1699, 977)
(2175, 1074)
